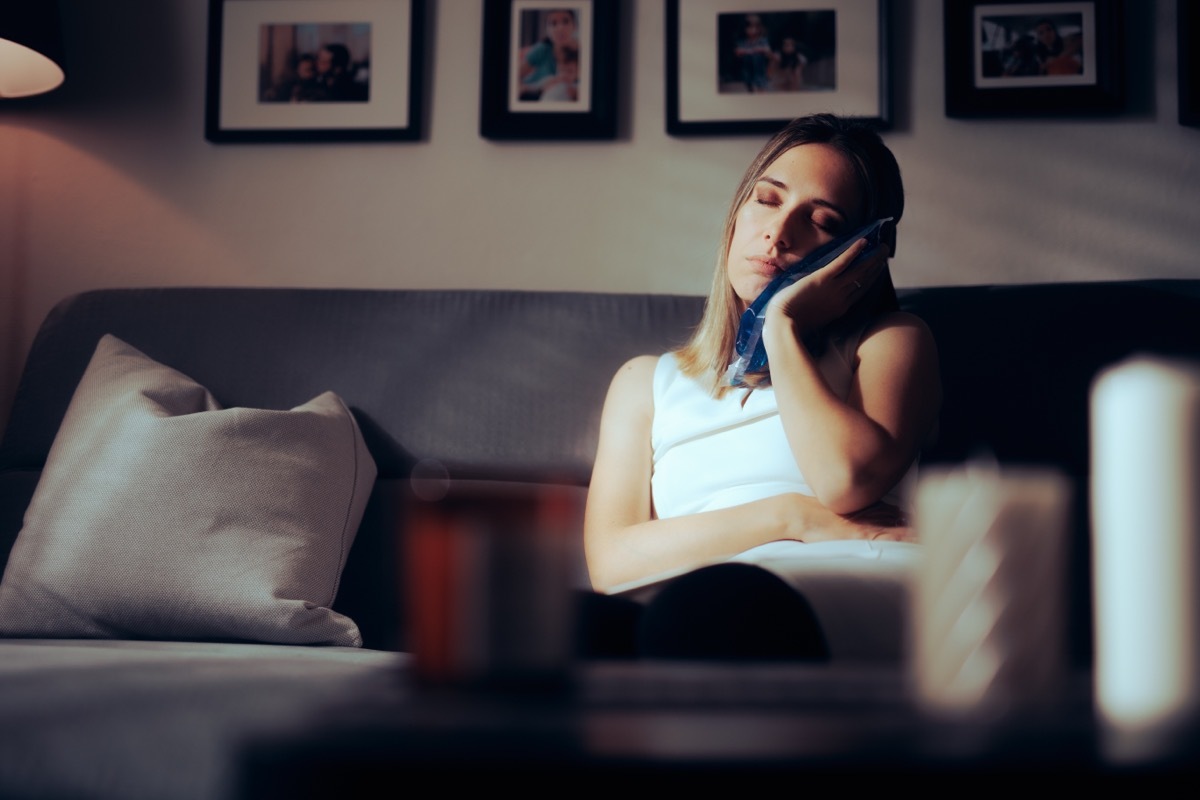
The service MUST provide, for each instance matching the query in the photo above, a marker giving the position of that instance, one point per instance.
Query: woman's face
(560, 26)
(805, 198)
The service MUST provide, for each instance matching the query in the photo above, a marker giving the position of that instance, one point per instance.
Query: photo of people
(315, 63)
(1020, 46)
(781, 51)
(547, 55)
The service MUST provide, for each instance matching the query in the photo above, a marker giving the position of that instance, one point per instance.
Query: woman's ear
(887, 235)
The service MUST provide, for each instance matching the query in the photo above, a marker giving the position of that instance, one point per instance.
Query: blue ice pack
(751, 355)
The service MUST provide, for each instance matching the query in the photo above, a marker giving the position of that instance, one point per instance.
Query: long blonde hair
(710, 349)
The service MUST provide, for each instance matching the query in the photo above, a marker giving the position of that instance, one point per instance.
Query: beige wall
(109, 182)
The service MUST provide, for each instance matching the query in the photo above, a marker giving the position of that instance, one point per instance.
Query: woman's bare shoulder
(637, 371)
(897, 330)
(640, 365)
(632, 385)
(897, 319)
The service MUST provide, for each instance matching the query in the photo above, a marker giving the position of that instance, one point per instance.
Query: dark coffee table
(687, 724)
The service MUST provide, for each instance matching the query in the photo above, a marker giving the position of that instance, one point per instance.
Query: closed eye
(829, 224)
(766, 198)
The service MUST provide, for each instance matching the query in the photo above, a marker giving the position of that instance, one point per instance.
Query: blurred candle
(1145, 436)
(486, 570)
(989, 606)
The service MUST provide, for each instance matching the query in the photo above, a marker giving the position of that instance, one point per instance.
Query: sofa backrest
(1018, 361)
(509, 384)
(491, 383)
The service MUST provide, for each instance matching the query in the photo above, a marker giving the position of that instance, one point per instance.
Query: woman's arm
(852, 451)
(624, 542)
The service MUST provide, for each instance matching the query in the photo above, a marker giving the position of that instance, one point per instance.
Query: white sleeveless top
(713, 453)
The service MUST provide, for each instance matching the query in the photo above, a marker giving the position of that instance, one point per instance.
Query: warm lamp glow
(24, 72)
(31, 59)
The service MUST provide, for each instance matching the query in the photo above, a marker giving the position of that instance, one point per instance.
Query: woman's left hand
(819, 299)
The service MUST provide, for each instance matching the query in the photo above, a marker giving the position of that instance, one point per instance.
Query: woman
(691, 471)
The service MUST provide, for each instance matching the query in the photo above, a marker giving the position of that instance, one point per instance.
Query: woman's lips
(768, 267)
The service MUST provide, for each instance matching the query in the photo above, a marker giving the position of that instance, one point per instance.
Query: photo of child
(783, 51)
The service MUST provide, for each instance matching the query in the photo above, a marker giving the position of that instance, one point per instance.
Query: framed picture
(1031, 59)
(314, 70)
(1189, 87)
(737, 67)
(549, 69)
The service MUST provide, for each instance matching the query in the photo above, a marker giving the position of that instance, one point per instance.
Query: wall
(109, 181)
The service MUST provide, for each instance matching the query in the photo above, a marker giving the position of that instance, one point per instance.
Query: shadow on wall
(125, 57)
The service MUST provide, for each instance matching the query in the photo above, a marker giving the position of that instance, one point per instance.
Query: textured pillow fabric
(160, 515)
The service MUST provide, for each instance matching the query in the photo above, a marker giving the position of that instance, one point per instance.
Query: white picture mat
(583, 27)
(857, 52)
(391, 43)
(1086, 78)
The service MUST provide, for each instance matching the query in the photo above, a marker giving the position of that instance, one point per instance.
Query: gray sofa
(494, 385)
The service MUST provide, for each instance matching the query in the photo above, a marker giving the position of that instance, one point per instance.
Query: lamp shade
(31, 53)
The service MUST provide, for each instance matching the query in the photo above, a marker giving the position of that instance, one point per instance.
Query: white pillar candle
(1145, 437)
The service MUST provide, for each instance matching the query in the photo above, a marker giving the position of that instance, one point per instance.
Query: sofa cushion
(143, 720)
(160, 515)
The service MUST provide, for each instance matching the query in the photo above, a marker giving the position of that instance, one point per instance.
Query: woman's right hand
(882, 521)
(879, 521)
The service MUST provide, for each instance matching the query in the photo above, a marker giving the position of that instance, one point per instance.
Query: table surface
(688, 723)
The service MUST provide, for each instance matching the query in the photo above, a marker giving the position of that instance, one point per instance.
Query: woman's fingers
(882, 513)
(897, 534)
(857, 269)
(861, 274)
(843, 263)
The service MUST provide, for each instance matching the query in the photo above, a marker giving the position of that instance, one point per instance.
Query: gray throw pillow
(160, 515)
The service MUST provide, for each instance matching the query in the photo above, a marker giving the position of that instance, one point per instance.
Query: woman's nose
(783, 232)
(774, 239)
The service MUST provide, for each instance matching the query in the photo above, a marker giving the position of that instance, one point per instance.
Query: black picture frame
(1188, 18)
(846, 65)
(996, 66)
(513, 106)
(258, 90)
